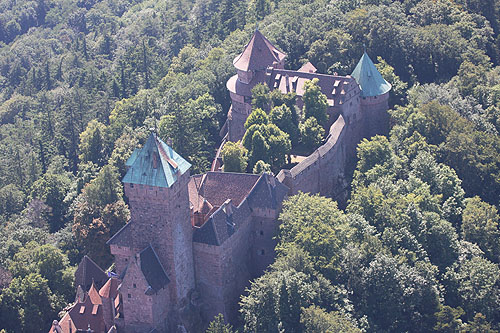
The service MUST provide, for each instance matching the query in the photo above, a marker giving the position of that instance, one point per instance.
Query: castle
(193, 243)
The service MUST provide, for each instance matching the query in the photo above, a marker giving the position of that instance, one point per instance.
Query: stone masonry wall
(223, 272)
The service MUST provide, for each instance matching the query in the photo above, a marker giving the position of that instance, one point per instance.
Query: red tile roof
(217, 187)
(110, 289)
(84, 314)
(307, 68)
(258, 54)
(94, 296)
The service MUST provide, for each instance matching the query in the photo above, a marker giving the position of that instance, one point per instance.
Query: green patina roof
(369, 78)
(155, 164)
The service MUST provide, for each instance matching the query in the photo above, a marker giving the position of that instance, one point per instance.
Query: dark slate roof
(268, 192)
(87, 272)
(155, 164)
(369, 78)
(206, 233)
(123, 237)
(223, 223)
(258, 54)
(153, 270)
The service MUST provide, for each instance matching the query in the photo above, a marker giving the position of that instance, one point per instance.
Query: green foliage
(317, 320)
(189, 126)
(11, 200)
(257, 117)
(311, 133)
(260, 97)
(267, 143)
(282, 117)
(377, 151)
(52, 190)
(480, 226)
(276, 300)
(50, 263)
(315, 102)
(260, 167)
(93, 143)
(315, 224)
(234, 157)
(99, 213)
(398, 91)
(448, 319)
(218, 325)
(28, 304)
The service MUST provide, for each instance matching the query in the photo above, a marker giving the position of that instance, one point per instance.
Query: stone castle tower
(153, 252)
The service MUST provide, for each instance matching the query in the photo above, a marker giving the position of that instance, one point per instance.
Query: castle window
(262, 252)
(262, 232)
(131, 185)
(129, 296)
(135, 286)
(126, 259)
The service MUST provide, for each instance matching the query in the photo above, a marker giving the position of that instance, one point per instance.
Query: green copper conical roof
(155, 164)
(369, 78)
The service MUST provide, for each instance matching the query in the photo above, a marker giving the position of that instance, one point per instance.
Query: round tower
(374, 96)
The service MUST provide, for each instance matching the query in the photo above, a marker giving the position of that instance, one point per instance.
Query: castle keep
(193, 243)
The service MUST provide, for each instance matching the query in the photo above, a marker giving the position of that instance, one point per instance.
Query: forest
(416, 249)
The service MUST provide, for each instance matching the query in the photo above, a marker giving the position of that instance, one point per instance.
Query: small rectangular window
(135, 286)
(129, 296)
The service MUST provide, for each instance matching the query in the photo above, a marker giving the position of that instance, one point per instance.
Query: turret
(374, 96)
(258, 56)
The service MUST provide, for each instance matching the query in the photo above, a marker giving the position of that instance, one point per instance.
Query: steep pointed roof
(95, 298)
(87, 272)
(155, 164)
(369, 78)
(110, 289)
(258, 54)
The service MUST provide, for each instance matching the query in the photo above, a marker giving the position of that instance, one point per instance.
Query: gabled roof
(153, 270)
(155, 164)
(268, 193)
(258, 54)
(369, 78)
(87, 272)
(123, 237)
(216, 187)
